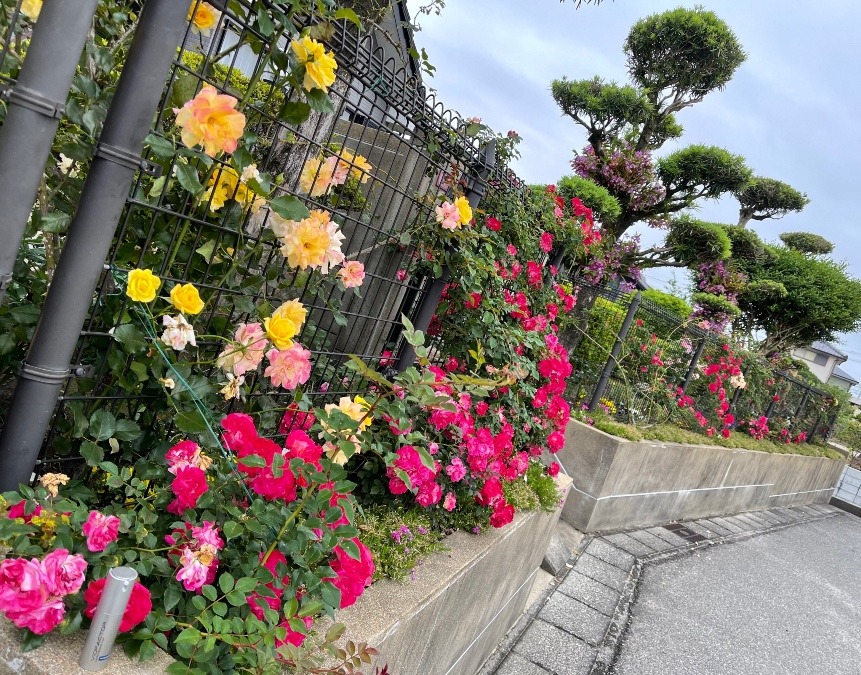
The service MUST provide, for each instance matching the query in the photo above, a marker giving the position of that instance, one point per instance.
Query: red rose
(352, 576)
(555, 441)
(553, 469)
(189, 484)
(493, 224)
(503, 513)
(139, 607)
(491, 492)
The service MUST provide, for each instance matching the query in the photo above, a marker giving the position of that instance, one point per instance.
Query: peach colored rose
(211, 120)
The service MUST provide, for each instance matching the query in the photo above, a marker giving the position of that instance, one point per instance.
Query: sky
(792, 108)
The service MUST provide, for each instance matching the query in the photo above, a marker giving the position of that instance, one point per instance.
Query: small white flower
(66, 165)
(178, 333)
(167, 382)
(250, 172)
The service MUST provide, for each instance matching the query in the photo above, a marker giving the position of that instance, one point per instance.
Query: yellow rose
(186, 299)
(31, 9)
(464, 210)
(319, 64)
(203, 17)
(285, 323)
(142, 285)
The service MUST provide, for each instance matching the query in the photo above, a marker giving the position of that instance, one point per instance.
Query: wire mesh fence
(402, 149)
(663, 357)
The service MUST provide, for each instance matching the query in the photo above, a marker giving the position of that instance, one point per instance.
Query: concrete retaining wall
(450, 619)
(620, 484)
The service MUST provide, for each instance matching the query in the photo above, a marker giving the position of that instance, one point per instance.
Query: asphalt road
(786, 603)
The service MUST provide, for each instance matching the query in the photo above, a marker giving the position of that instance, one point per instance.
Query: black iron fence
(635, 359)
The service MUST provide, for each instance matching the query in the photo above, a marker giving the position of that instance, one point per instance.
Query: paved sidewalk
(579, 623)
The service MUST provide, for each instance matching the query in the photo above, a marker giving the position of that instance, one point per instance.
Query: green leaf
(426, 459)
(254, 461)
(130, 338)
(191, 422)
(311, 608)
(209, 592)
(140, 371)
(226, 582)
(92, 453)
(127, 430)
(206, 250)
(264, 23)
(320, 101)
(25, 314)
(187, 176)
(102, 425)
(231, 529)
(349, 15)
(56, 222)
(31, 640)
(289, 208)
(171, 598)
(236, 598)
(331, 595)
(160, 147)
(294, 112)
(246, 584)
(351, 549)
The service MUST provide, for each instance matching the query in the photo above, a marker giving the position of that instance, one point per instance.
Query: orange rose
(211, 120)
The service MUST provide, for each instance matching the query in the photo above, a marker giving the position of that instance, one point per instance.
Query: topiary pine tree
(674, 60)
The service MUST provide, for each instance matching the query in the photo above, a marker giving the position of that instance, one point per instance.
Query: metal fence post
(116, 160)
(812, 431)
(695, 359)
(476, 189)
(36, 105)
(610, 366)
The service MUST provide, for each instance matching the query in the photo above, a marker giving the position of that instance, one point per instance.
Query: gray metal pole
(36, 104)
(475, 191)
(117, 159)
(610, 366)
(692, 369)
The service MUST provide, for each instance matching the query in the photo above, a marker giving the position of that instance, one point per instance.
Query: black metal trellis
(417, 150)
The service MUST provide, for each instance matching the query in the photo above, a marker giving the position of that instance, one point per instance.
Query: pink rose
(41, 620)
(65, 573)
(450, 501)
(193, 574)
(23, 585)
(100, 530)
(208, 534)
(181, 455)
(352, 576)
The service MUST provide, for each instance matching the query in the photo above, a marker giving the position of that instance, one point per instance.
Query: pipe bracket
(33, 100)
(124, 158)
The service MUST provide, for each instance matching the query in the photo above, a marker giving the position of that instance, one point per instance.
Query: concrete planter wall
(447, 622)
(450, 619)
(620, 484)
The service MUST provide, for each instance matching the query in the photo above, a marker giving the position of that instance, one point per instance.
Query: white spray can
(109, 614)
